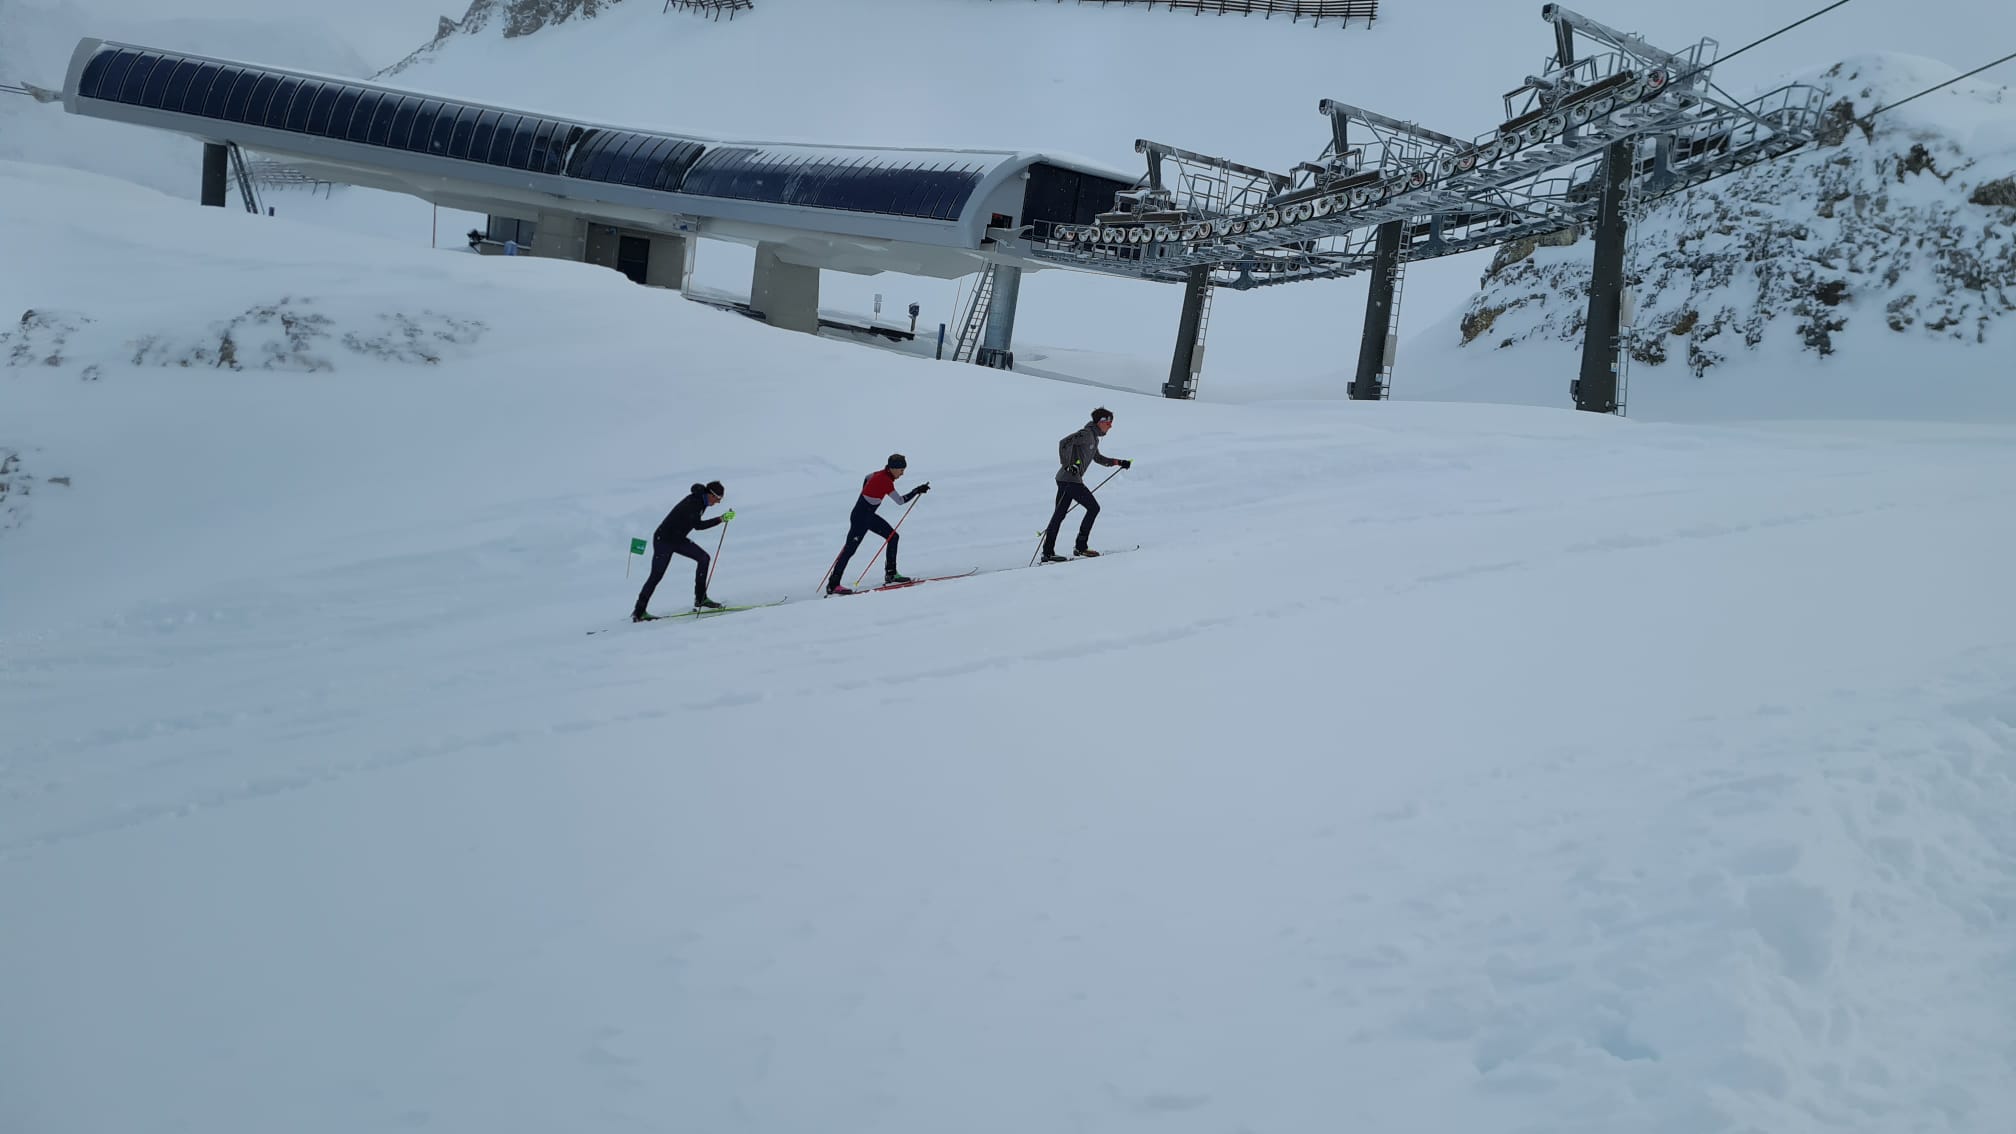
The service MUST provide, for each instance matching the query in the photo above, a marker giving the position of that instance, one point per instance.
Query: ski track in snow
(23, 663)
(1745, 907)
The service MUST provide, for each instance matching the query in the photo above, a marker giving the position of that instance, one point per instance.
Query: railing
(269, 174)
(713, 8)
(974, 326)
(1316, 11)
(242, 173)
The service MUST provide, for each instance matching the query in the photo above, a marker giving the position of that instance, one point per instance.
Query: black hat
(1102, 414)
(896, 461)
(711, 488)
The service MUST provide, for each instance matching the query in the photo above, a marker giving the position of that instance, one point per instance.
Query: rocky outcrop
(294, 333)
(1887, 221)
(516, 17)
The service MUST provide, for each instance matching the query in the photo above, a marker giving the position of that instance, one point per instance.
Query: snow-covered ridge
(514, 17)
(1902, 224)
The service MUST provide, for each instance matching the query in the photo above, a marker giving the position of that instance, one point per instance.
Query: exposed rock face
(517, 17)
(294, 333)
(1895, 220)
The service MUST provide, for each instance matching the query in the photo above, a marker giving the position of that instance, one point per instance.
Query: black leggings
(1067, 493)
(859, 524)
(662, 551)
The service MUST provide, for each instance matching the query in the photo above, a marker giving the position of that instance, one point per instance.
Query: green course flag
(636, 547)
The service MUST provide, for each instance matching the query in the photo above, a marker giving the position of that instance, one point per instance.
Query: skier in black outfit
(1073, 454)
(670, 539)
(864, 519)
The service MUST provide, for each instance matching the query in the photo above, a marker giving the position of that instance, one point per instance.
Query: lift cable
(1759, 42)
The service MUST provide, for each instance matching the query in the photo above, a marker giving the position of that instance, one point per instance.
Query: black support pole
(216, 164)
(1378, 314)
(1189, 357)
(1596, 389)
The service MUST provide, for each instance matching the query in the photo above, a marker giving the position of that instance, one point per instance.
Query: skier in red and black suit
(874, 488)
(670, 539)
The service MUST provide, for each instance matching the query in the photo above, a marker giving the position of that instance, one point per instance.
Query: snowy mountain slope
(1900, 226)
(1428, 768)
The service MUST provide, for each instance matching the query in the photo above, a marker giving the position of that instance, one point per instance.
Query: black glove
(920, 490)
(1126, 464)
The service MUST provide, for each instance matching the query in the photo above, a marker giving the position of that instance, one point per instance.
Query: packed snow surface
(1427, 768)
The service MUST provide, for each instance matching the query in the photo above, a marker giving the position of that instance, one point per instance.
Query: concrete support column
(1374, 345)
(670, 256)
(216, 173)
(561, 236)
(787, 295)
(997, 343)
(1596, 389)
(601, 247)
(1189, 359)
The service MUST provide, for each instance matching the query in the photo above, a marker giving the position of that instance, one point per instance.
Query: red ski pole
(885, 541)
(718, 544)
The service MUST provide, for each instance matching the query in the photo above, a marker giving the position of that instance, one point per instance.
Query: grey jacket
(1077, 451)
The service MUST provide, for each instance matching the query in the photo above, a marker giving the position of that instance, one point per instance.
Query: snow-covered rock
(1903, 223)
(515, 17)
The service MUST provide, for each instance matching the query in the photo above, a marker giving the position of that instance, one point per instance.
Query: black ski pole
(1067, 515)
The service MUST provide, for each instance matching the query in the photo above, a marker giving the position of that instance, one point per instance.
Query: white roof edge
(1080, 164)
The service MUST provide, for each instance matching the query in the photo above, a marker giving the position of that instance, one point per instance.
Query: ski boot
(1052, 557)
(892, 578)
(705, 603)
(1085, 553)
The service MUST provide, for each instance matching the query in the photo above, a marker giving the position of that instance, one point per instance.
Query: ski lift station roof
(854, 209)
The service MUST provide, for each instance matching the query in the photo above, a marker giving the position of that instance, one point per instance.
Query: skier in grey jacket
(1074, 453)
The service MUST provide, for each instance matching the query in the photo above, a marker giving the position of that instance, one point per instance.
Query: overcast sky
(382, 31)
(1961, 32)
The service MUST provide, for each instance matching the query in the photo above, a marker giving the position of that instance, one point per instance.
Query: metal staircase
(242, 173)
(974, 326)
(1392, 350)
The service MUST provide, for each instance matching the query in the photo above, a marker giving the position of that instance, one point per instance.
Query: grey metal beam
(1603, 33)
(1189, 357)
(1344, 110)
(216, 173)
(1144, 146)
(1378, 315)
(997, 345)
(1596, 389)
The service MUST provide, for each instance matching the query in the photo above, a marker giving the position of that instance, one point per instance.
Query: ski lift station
(1610, 123)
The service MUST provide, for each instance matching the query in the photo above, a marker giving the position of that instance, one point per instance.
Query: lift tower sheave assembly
(1609, 118)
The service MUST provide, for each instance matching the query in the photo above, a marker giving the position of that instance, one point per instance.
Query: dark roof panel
(861, 181)
(922, 184)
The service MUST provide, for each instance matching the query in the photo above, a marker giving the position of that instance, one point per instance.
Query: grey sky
(380, 30)
(1961, 32)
